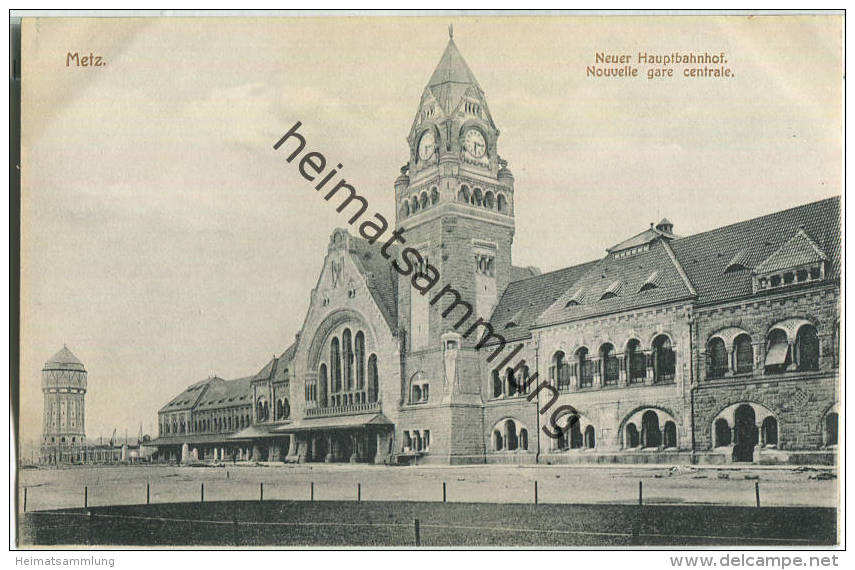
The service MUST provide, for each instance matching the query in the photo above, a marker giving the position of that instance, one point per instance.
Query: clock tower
(455, 201)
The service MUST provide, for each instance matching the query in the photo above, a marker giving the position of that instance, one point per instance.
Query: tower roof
(452, 78)
(452, 68)
(64, 359)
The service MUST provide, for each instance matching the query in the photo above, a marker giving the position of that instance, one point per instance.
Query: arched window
(360, 360)
(830, 429)
(414, 204)
(502, 203)
(261, 408)
(335, 365)
(636, 362)
(610, 364)
(425, 201)
(743, 354)
(434, 196)
(347, 359)
(586, 371)
(322, 386)
(651, 436)
(463, 194)
(497, 384)
(512, 441)
(498, 440)
(373, 379)
(807, 348)
(769, 432)
(524, 439)
(669, 434)
(717, 355)
(510, 382)
(522, 379)
(576, 438)
(590, 438)
(663, 359)
(278, 410)
(560, 372)
(722, 433)
(416, 395)
(489, 200)
(778, 356)
(477, 197)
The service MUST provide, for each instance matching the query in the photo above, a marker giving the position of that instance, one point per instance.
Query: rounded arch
(728, 414)
(330, 324)
(501, 203)
(463, 195)
(489, 200)
(790, 327)
(477, 197)
(663, 415)
(509, 434)
(424, 201)
(728, 334)
(434, 196)
(414, 204)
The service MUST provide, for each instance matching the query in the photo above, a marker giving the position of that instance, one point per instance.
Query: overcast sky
(163, 240)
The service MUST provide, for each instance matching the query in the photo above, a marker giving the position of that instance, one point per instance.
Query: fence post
(148, 493)
(25, 499)
(757, 492)
(358, 492)
(261, 491)
(89, 531)
(85, 496)
(639, 493)
(418, 534)
(312, 496)
(444, 495)
(235, 534)
(202, 493)
(535, 492)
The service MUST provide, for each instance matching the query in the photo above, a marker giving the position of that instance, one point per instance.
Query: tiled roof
(188, 398)
(518, 273)
(799, 250)
(65, 360)
(226, 393)
(524, 300)
(622, 279)
(451, 78)
(705, 256)
(644, 237)
(380, 277)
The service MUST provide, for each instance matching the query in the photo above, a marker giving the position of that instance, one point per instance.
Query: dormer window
(652, 282)
(799, 260)
(576, 299)
(613, 290)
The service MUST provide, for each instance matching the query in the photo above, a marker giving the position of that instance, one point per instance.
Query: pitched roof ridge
(679, 267)
(756, 218)
(800, 233)
(569, 267)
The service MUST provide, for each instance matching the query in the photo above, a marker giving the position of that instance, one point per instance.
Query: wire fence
(227, 487)
(93, 527)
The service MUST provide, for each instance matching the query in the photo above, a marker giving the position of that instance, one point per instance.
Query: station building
(716, 347)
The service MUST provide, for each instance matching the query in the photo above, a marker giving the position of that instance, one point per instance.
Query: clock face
(427, 144)
(474, 144)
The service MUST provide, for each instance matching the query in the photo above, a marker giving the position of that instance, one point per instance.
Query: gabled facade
(716, 347)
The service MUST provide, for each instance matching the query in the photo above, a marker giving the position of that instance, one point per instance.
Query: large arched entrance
(744, 433)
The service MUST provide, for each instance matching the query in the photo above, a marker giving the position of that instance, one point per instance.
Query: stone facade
(709, 348)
